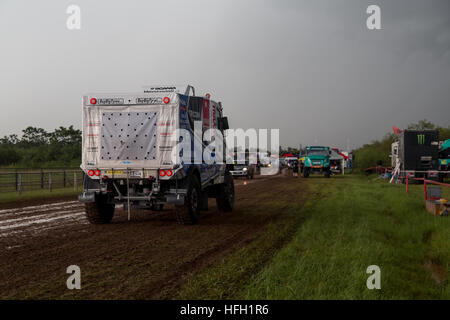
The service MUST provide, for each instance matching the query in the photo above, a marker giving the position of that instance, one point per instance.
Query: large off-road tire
(327, 174)
(305, 173)
(99, 212)
(188, 212)
(225, 194)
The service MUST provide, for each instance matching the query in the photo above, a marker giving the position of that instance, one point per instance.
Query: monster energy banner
(417, 145)
(421, 139)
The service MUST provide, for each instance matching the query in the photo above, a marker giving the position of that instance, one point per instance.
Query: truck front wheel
(188, 212)
(225, 194)
(100, 211)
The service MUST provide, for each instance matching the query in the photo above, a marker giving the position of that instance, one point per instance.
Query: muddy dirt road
(146, 258)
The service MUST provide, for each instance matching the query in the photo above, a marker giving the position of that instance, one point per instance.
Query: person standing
(295, 169)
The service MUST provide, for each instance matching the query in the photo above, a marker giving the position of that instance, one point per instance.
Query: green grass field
(322, 245)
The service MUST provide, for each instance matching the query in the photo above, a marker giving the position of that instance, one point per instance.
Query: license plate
(135, 174)
(113, 171)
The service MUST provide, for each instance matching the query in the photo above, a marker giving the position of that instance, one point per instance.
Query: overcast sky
(310, 68)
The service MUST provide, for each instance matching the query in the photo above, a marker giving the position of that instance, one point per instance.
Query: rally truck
(130, 144)
(317, 161)
(418, 153)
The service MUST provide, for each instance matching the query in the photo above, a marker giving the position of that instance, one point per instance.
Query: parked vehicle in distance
(127, 154)
(418, 152)
(317, 161)
(394, 153)
(244, 170)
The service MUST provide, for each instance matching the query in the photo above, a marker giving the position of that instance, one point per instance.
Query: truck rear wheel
(305, 172)
(225, 194)
(188, 212)
(327, 174)
(99, 212)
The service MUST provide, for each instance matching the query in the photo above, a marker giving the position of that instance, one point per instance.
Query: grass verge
(351, 223)
(14, 197)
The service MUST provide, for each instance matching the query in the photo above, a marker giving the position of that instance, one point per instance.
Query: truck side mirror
(224, 123)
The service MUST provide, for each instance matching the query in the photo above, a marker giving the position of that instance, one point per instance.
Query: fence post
(50, 181)
(75, 182)
(42, 179)
(64, 183)
(19, 185)
(16, 179)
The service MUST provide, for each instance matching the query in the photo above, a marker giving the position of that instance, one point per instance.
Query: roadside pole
(19, 183)
(425, 188)
(75, 182)
(128, 194)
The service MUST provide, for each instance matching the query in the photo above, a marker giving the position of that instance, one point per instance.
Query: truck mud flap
(175, 199)
(87, 197)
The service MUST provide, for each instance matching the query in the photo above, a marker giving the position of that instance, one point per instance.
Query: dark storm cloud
(312, 68)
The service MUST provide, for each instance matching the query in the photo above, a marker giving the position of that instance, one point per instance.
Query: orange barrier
(379, 170)
(425, 181)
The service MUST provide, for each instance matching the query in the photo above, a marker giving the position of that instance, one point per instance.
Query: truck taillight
(91, 173)
(97, 173)
(162, 173)
(93, 101)
(166, 100)
(169, 173)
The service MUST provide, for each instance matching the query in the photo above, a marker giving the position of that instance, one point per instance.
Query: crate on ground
(434, 193)
(437, 207)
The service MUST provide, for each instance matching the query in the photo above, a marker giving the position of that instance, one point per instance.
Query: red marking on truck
(205, 114)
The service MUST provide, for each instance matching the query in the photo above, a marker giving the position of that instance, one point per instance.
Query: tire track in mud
(41, 241)
(41, 218)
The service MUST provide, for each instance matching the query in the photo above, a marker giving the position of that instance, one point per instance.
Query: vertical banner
(205, 114)
(213, 116)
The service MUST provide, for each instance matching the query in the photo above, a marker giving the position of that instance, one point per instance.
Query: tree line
(38, 148)
(379, 150)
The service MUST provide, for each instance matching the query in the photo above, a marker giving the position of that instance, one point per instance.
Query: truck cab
(317, 161)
